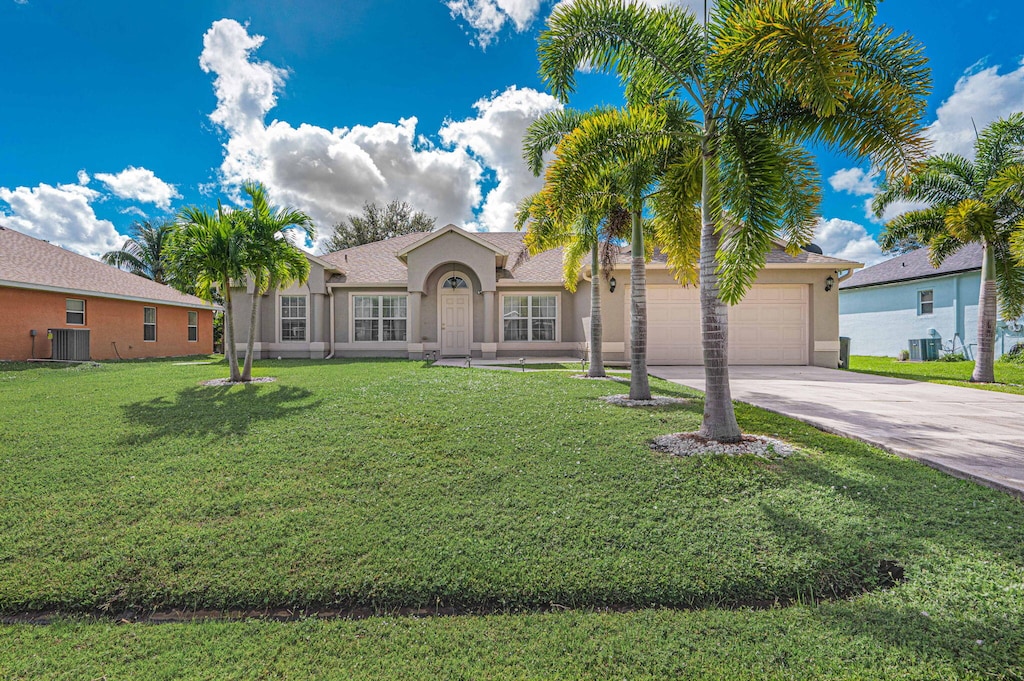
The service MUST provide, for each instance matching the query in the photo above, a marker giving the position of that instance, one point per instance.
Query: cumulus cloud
(485, 19)
(495, 138)
(62, 215)
(138, 184)
(854, 181)
(83, 177)
(331, 173)
(848, 240)
(980, 97)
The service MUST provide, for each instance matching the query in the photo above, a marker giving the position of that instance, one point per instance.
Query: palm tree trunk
(596, 369)
(229, 334)
(639, 386)
(253, 316)
(719, 422)
(984, 369)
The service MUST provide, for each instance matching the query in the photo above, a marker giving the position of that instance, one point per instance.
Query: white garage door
(768, 327)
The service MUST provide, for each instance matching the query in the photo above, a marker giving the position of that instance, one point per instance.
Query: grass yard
(1009, 376)
(390, 484)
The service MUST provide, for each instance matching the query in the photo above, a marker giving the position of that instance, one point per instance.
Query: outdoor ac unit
(70, 344)
(924, 349)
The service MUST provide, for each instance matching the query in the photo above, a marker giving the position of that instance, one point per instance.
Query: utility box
(844, 352)
(69, 344)
(924, 349)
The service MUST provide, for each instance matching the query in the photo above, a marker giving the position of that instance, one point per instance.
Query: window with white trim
(925, 302)
(529, 318)
(74, 311)
(149, 324)
(193, 326)
(379, 318)
(293, 319)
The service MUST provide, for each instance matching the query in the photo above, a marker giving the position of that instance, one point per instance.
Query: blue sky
(115, 111)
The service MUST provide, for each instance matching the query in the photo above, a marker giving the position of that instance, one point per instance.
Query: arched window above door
(455, 282)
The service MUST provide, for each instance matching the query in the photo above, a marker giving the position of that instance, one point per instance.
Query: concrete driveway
(973, 434)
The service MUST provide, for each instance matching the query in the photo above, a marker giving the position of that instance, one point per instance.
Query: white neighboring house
(883, 307)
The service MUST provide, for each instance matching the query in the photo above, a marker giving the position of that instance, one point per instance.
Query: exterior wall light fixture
(829, 283)
(611, 285)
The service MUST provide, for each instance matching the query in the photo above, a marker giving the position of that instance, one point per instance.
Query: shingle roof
(776, 256)
(378, 262)
(26, 262)
(915, 265)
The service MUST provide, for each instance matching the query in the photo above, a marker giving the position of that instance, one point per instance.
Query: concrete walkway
(973, 434)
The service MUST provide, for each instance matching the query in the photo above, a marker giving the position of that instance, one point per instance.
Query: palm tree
(208, 249)
(583, 235)
(971, 202)
(143, 252)
(270, 260)
(763, 79)
(598, 165)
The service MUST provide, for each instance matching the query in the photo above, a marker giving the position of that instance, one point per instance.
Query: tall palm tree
(208, 249)
(143, 252)
(599, 164)
(763, 78)
(270, 260)
(971, 202)
(583, 235)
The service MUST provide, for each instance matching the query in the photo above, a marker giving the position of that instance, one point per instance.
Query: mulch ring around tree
(624, 401)
(692, 444)
(228, 381)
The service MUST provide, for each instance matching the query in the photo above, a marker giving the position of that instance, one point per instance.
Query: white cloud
(331, 173)
(486, 18)
(854, 181)
(849, 240)
(62, 215)
(83, 177)
(138, 184)
(495, 138)
(979, 98)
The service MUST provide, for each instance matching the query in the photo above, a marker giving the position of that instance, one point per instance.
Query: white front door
(455, 324)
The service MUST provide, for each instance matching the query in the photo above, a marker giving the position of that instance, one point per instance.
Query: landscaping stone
(692, 444)
(624, 401)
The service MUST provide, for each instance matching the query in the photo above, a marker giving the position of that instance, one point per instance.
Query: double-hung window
(74, 311)
(193, 326)
(379, 318)
(529, 318)
(293, 318)
(149, 324)
(925, 302)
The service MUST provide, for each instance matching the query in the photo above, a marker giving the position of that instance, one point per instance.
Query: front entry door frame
(447, 336)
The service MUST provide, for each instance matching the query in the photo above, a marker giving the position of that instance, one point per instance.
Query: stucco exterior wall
(115, 326)
(823, 307)
(880, 320)
(451, 248)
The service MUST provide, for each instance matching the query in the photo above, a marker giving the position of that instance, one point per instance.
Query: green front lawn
(384, 484)
(1009, 376)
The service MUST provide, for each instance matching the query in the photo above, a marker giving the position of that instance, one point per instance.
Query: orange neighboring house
(55, 304)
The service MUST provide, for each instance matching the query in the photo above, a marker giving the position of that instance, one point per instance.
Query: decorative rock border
(624, 401)
(228, 381)
(692, 444)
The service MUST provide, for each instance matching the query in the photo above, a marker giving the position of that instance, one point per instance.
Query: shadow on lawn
(212, 412)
